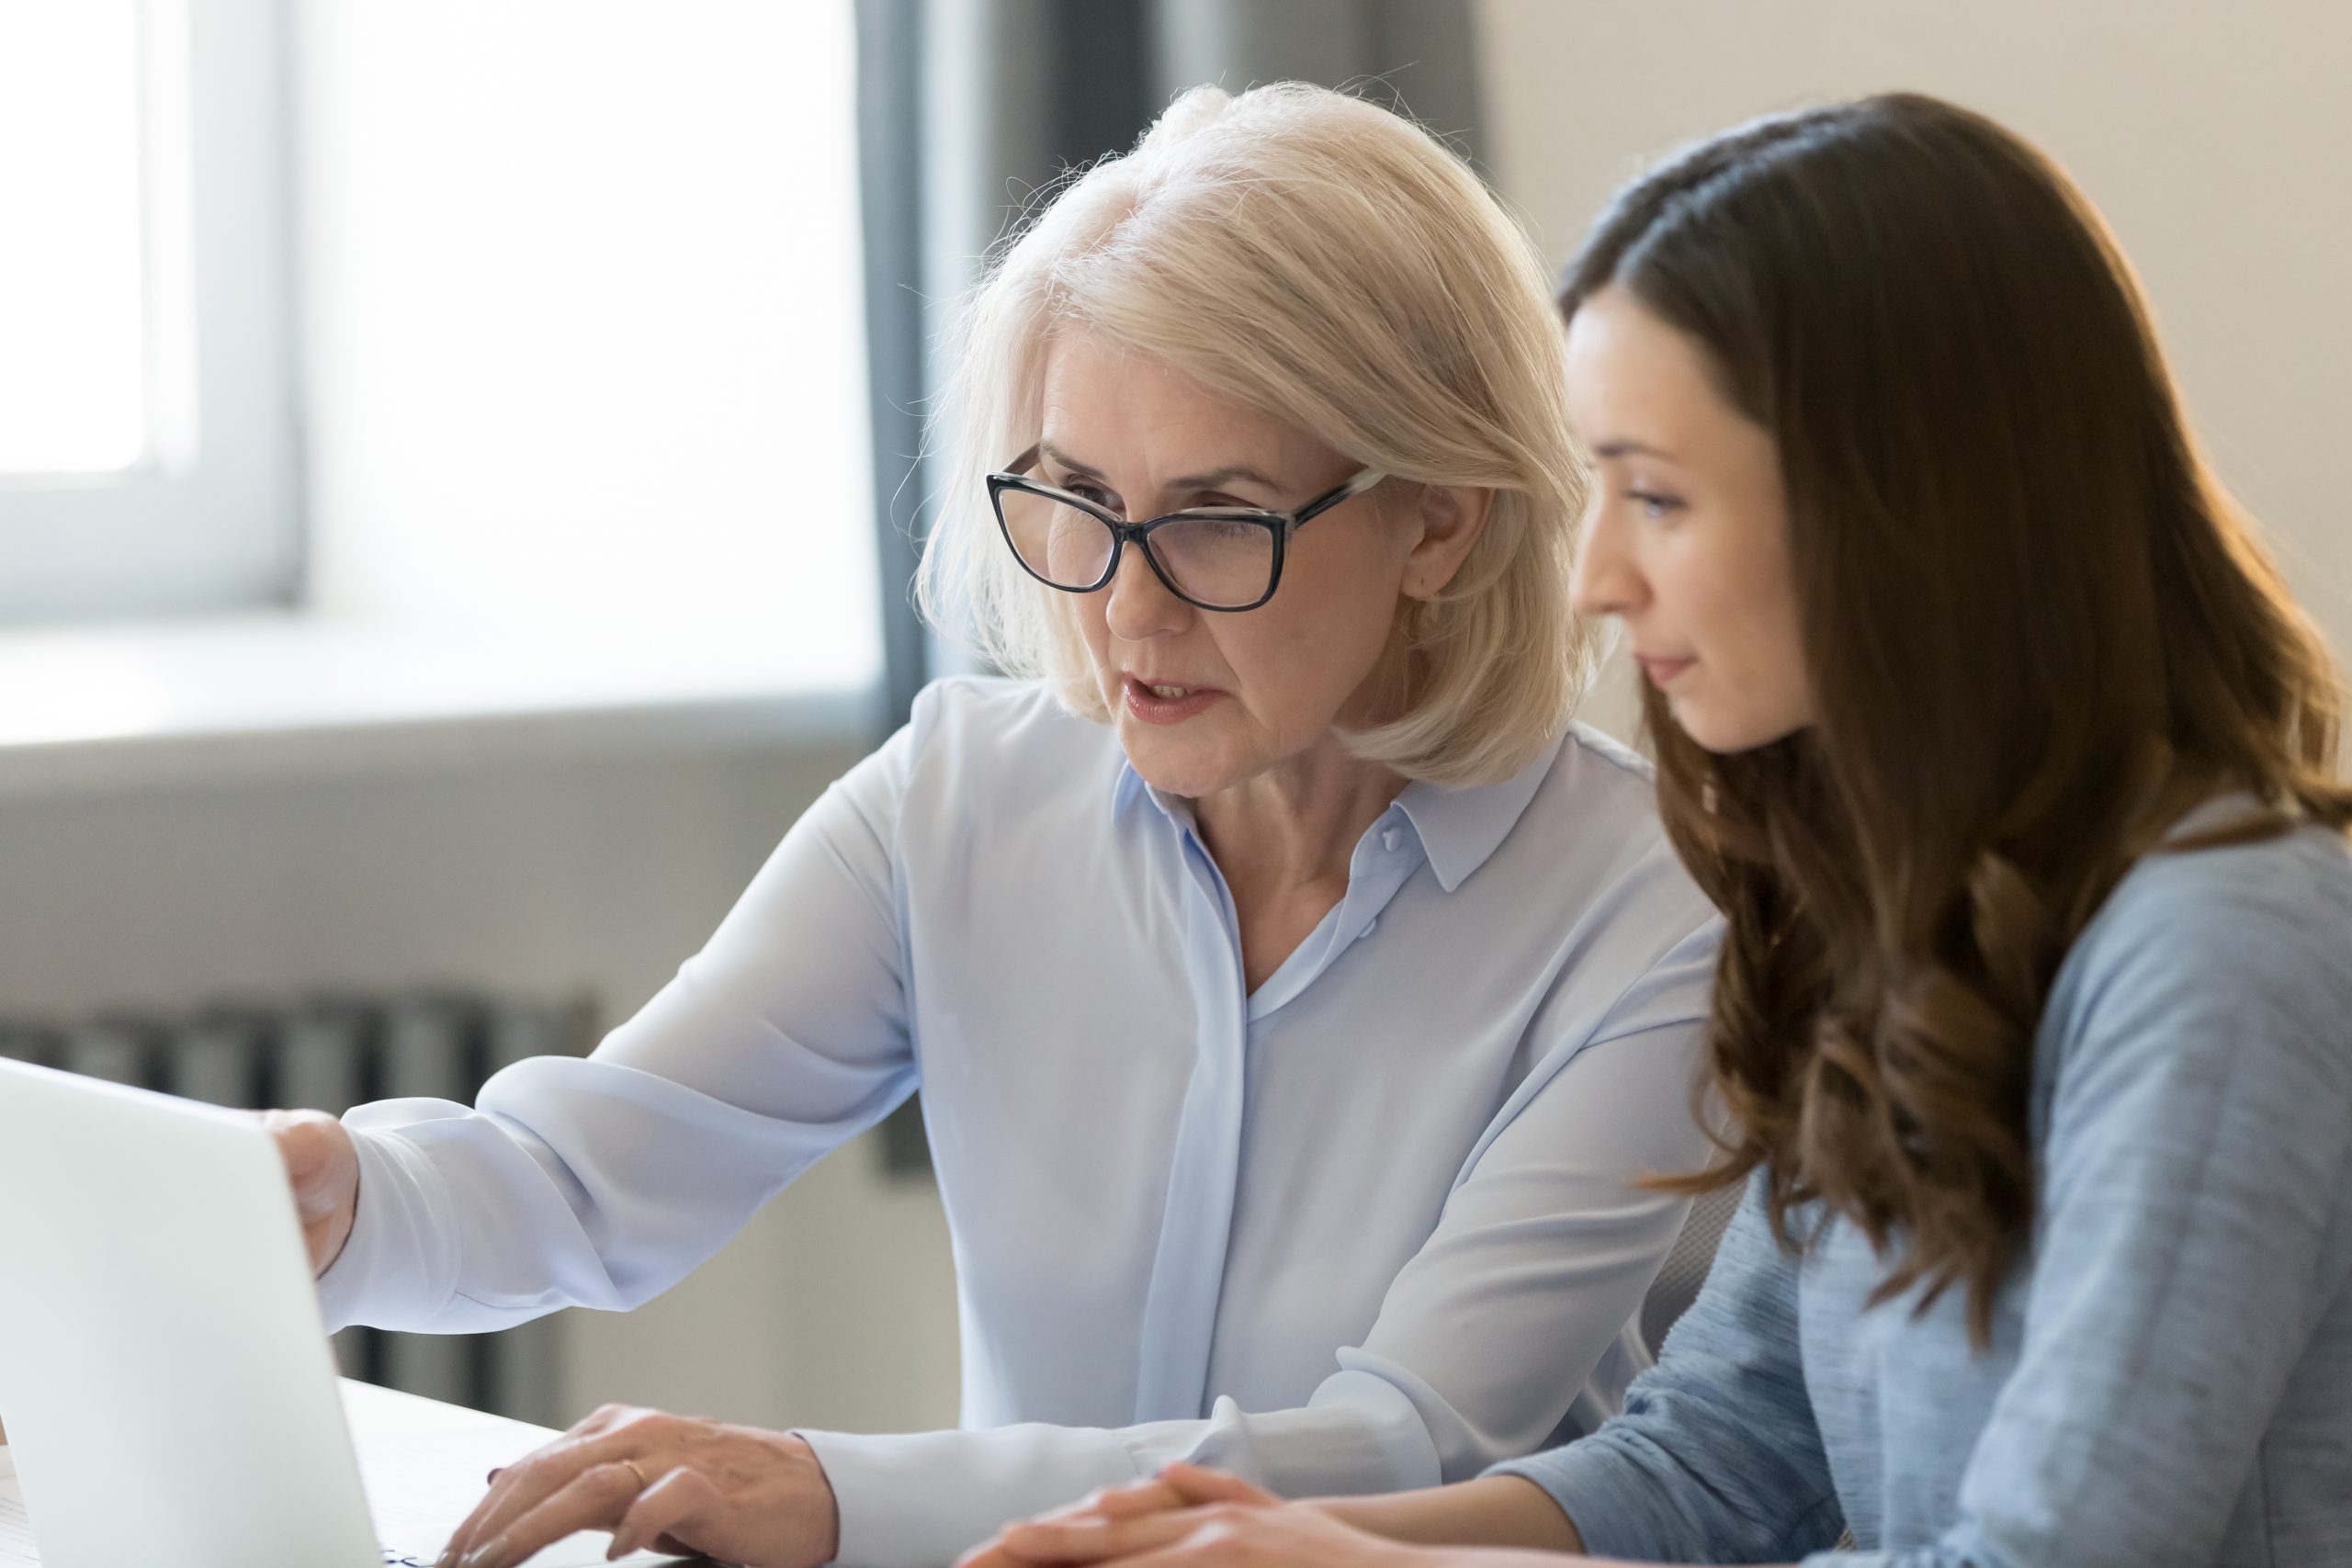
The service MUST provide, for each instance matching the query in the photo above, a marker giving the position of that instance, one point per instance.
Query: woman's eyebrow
(1068, 462)
(1630, 449)
(1212, 478)
(1217, 479)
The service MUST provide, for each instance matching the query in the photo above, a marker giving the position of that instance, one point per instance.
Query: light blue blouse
(1367, 1227)
(2169, 1383)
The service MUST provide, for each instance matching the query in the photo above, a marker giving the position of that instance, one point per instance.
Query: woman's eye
(1220, 528)
(1652, 504)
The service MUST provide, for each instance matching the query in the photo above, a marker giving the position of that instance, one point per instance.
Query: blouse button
(1389, 838)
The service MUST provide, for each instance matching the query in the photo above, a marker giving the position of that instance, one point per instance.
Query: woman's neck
(1285, 839)
(1298, 821)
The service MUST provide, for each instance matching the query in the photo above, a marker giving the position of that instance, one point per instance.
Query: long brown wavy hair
(2037, 631)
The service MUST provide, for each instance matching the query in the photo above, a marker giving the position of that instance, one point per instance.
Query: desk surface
(424, 1465)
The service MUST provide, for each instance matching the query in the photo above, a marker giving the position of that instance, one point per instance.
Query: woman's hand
(1195, 1516)
(1186, 1515)
(671, 1483)
(1074, 1534)
(322, 1165)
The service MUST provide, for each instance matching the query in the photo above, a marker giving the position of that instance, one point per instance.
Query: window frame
(210, 519)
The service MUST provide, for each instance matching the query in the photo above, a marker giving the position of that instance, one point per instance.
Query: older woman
(1295, 996)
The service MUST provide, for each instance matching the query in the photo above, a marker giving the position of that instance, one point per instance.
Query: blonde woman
(1293, 993)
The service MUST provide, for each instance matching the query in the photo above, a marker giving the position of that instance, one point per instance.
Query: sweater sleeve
(1716, 1457)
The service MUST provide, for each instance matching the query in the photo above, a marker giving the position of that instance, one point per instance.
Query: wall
(2212, 136)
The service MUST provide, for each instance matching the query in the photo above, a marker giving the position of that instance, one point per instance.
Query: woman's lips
(1662, 671)
(1149, 704)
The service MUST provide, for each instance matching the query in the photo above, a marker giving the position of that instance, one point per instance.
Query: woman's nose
(1605, 581)
(1140, 604)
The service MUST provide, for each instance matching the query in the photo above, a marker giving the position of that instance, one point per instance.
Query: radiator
(330, 1055)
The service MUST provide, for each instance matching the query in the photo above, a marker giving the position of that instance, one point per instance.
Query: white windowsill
(272, 695)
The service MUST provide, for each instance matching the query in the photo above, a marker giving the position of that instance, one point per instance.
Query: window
(584, 352)
(147, 458)
(579, 339)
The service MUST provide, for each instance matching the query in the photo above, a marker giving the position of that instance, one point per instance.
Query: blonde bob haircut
(1312, 256)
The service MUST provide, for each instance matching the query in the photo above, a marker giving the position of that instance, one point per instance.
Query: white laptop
(169, 1396)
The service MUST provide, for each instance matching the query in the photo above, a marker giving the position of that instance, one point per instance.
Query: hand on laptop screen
(323, 1167)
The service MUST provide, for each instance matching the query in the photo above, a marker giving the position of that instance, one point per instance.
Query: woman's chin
(1174, 763)
(1726, 733)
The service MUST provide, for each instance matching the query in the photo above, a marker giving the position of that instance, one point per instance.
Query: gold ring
(641, 1483)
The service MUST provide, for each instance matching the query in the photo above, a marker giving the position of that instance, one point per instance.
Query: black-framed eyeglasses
(1217, 558)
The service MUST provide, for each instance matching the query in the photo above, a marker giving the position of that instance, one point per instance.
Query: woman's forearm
(1500, 1510)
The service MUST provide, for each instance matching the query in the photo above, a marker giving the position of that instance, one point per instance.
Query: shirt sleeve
(1716, 1458)
(2197, 1161)
(1483, 1342)
(603, 1182)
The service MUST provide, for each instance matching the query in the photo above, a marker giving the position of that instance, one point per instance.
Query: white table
(424, 1465)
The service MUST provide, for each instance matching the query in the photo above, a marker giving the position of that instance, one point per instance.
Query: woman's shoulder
(2292, 887)
(1597, 803)
(994, 740)
(992, 700)
(997, 720)
(2232, 944)
(1604, 768)
(1588, 842)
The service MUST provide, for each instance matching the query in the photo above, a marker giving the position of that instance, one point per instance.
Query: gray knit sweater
(2170, 1380)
